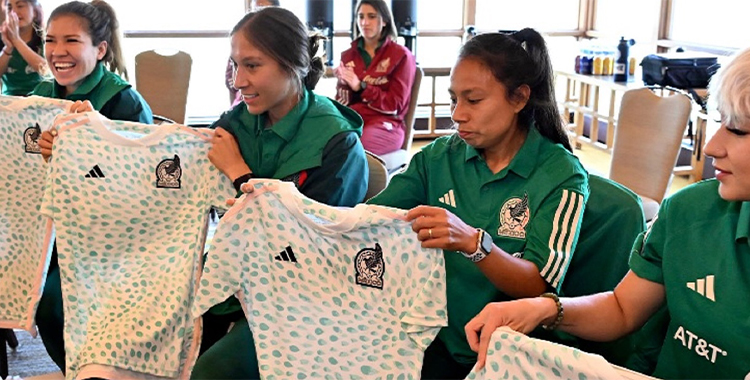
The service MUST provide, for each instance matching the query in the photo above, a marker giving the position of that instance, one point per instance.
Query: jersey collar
(287, 127)
(743, 223)
(86, 86)
(524, 161)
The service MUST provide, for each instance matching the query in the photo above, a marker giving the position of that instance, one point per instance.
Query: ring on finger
(429, 232)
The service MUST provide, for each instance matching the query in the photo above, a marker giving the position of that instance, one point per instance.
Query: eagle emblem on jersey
(31, 139)
(370, 267)
(514, 216)
(383, 65)
(169, 173)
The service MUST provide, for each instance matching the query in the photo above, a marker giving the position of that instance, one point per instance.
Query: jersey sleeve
(341, 180)
(407, 189)
(222, 270)
(428, 308)
(647, 253)
(553, 231)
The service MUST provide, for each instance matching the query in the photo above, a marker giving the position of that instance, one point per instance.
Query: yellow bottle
(633, 64)
(608, 65)
(597, 66)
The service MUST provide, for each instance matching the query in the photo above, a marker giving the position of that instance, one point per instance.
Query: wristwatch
(484, 247)
(362, 86)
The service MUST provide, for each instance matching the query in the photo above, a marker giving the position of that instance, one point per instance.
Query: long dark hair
(389, 30)
(102, 24)
(280, 34)
(517, 59)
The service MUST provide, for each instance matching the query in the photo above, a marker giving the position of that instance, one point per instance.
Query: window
(543, 15)
(722, 23)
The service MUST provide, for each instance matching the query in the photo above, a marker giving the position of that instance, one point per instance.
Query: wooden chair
(646, 144)
(163, 80)
(612, 220)
(398, 159)
(378, 178)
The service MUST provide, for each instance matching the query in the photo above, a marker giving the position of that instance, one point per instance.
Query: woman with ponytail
(503, 196)
(84, 54)
(305, 138)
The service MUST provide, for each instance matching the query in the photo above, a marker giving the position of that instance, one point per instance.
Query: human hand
(8, 49)
(225, 154)
(245, 188)
(81, 106)
(12, 22)
(522, 315)
(347, 76)
(46, 140)
(439, 228)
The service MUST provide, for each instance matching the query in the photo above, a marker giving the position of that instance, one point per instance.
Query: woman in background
(375, 77)
(21, 61)
(83, 53)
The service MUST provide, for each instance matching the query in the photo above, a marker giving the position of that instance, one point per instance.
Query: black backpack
(679, 70)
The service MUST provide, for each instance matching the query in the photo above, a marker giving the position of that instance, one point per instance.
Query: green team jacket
(109, 94)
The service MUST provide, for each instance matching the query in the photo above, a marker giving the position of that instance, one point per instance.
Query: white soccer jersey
(328, 292)
(23, 257)
(130, 204)
(512, 355)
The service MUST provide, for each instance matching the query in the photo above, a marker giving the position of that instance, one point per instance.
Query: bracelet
(241, 179)
(5, 52)
(560, 313)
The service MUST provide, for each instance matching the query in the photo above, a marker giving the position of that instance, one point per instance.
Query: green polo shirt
(698, 249)
(364, 54)
(532, 208)
(109, 94)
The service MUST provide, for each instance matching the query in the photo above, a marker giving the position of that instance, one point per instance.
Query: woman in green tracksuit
(281, 130)
(82, 41)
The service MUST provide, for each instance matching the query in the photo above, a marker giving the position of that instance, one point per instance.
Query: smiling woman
(281, 130)
(82, 38)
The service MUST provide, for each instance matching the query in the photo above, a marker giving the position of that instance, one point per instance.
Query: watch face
(486, 242)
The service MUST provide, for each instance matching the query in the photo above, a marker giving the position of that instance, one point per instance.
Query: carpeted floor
(29, 358)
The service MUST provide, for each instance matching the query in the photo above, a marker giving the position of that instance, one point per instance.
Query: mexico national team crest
(383, 66)
(169, 173)
(370, 267)
(31, 139)
(514, 216)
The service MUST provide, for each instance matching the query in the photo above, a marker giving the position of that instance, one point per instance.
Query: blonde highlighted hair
(730, 90)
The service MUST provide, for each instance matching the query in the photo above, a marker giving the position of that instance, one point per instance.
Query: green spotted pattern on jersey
(291, 262)
(23, 255)
(512, 355)
(129, 250)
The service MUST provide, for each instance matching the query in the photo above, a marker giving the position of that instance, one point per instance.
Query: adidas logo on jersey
(95, 172)
(704, 287)
(448, 199)
(286, 255)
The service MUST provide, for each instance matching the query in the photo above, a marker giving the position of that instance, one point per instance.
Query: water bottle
(622, 61)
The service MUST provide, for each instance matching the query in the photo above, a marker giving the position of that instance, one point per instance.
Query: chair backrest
(612, 220)
(647, 141)
(163, 81)
(411, 111)
(378, 178)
